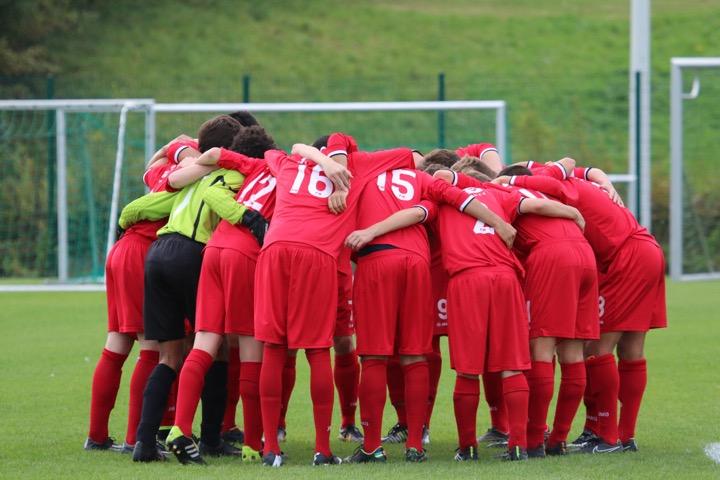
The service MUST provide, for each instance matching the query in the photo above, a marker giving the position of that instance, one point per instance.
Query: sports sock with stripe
(396, 388)
(373, 381)
(347, 378)
(146, 362)
(155, 398)
(516, 393)
(214, 397)
(190, 386)
(572, 387)
(250, 393)
(233, 389)
(417, 384)
(492, 385)
(105, 386)
(288, 384)
(633, 380)
(541, 382)
(322, 392)
(466, 398)
(271, 393)
(602, 372)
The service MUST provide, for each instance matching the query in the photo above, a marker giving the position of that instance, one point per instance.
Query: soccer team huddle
(241, 255)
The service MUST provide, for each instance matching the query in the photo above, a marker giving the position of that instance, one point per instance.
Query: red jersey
(475, 150)
(301, 211)
(400, 189)
(607, 225)
(257, 193)
(469, 243)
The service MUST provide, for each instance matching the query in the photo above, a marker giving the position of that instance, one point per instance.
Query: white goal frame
(677, 96)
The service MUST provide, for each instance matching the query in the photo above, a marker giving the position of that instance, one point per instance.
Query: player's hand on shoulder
(337, 202)
(507, 233)
(579, 219)
(339, 175)
(613, 194)
(359, 238)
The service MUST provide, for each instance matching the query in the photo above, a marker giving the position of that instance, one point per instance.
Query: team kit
(242, 254)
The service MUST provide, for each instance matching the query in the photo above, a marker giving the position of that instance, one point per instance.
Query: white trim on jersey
(337, 152)
(488, 149)
(466, 203)
(562, 169)
(427, 213)
(177, 153)
(454, 178)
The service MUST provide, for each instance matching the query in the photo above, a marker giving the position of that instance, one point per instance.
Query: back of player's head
(321, 142)
(441, 156)
(515, 170)
(217, 132)
(245, 118)
(252, 141)
(433, 167)
(474, 163)
(471, 172)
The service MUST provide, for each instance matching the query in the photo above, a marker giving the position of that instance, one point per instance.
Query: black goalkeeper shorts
(172, 271)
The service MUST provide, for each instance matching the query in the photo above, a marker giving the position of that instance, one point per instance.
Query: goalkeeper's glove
(256, 223)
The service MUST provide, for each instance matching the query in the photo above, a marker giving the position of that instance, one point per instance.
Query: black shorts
(172, 271)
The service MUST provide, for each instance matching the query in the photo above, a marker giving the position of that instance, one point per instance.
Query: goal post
(694, 237)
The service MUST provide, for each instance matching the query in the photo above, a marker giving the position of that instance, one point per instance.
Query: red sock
(168, 419)
(347, 378)
(516, 393)
(373, 380)
(590, 405)
(105, 386)
(190, 387)
(271, 393)
(233, 389)
(396, 388)
(492, 384)
(322, 393)
(633, 379)
(603, 374)
(143, 368)
(417, 384)
(466, 398)
(572, 387)
(288, 384)
(541, 383)
(249, 390)
(434, 360)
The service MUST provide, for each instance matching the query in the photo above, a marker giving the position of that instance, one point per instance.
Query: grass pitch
(51, 341)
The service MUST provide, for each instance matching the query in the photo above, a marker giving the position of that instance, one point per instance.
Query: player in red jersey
(632, 301)
(561, 291)
(225, 293)
(124, 281)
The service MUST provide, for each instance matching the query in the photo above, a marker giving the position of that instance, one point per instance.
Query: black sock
(214, 397)
(155, 399)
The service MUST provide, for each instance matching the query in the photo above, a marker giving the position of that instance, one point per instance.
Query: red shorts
(225, 293)
(632, 291)
(489, 331)
(344, 326)
(439, 277)
(393, 311)
(561, 288)
(125, 283)
(292, 305)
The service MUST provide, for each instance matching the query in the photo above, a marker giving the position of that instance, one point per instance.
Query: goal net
(694, 186)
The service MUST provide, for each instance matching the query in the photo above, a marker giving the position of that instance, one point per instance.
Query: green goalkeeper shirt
(190, 214)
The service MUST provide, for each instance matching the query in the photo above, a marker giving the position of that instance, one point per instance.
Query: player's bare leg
(516, 394)
(105, 386)
(251, 351)
(417, 385)
(347, 379)
(632, 368)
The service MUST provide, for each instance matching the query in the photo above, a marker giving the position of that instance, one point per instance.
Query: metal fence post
(61, 190)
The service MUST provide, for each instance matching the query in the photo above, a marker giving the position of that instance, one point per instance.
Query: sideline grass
(51, 341)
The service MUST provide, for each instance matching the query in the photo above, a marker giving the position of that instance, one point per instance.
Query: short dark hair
(514, 170)
(245, 118)
(433, 167)
(321, 142)
(217, 132)
(252, 141)
(441, 156)
(476, 164)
